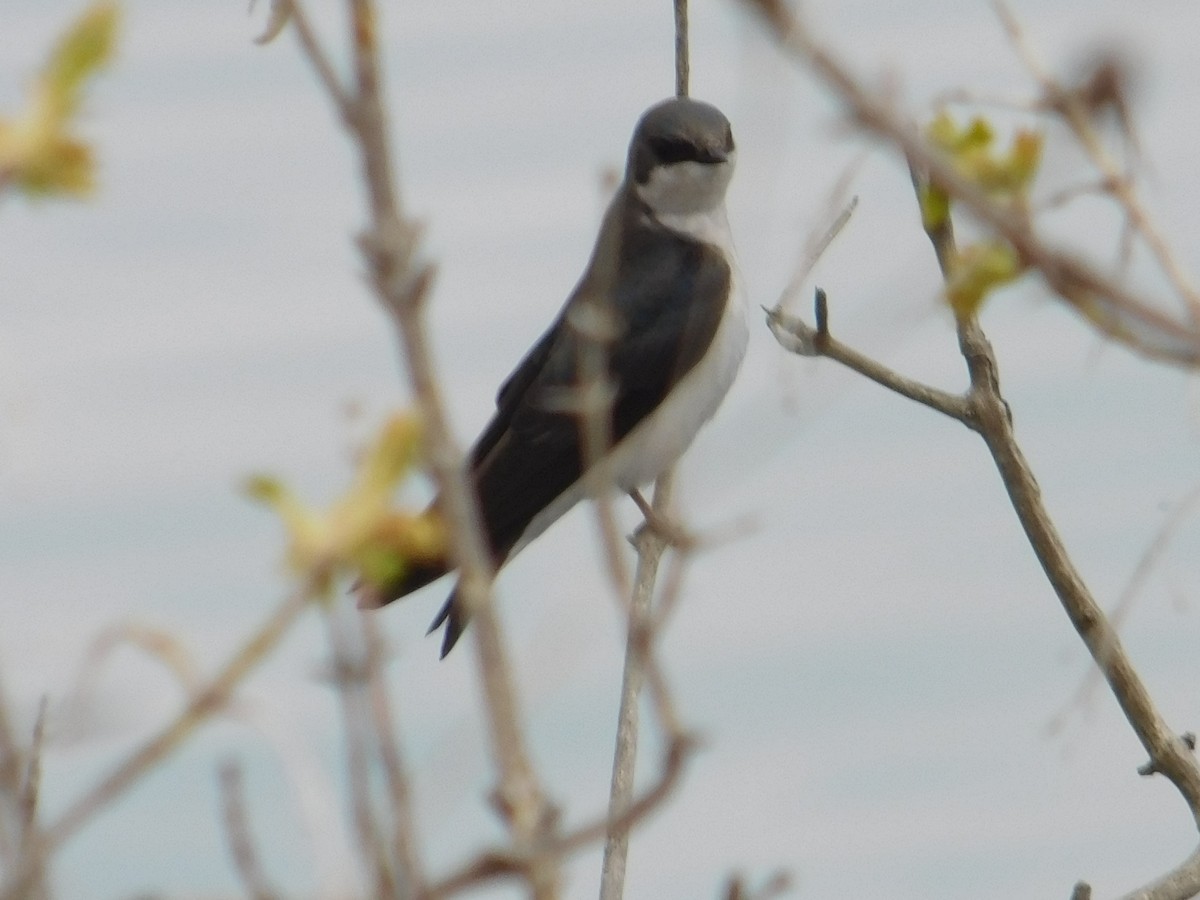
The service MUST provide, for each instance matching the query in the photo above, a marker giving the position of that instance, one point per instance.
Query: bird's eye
(673, 150)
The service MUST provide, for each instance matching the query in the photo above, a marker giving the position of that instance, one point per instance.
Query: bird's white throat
(687, 186)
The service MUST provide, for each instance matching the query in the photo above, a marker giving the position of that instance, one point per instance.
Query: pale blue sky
(873, 666)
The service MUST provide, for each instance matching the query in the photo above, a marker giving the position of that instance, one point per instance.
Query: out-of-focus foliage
(361, 534)
(1006, 175)
(39, 153)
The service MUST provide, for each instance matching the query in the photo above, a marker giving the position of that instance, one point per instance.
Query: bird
(663, 268)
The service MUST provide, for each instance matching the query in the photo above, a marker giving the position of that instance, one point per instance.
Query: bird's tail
(415, 577)
(452, 616)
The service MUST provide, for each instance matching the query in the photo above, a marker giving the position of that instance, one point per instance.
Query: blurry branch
(401, 280)
(640, 663)
(404, 831)
(30, 790)
(237, 832)
(1077, 108)
(1178, 884)
(208, 701)
(1141, 572)
(775, 886)
(987, 413)
(390, 854)
(797, 336)
(1107, 304)
(501, 862)
(353, 662)
(983, 408)
(11, 755)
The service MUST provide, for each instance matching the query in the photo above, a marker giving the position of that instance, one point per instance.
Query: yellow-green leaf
(86, 46)
(972, 150)
(361, 532)
(38, 153)
(978, 270)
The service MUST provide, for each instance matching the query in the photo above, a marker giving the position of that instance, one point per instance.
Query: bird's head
(681, 158)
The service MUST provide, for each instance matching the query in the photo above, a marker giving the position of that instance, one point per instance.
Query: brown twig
(404, 830)
(1141, 572)
(639, 665)
(1110, 306)
(499, 863)
(651, 548)
(778, 884)
(1074, 109)
(207, 702)
(10, 782)
(796, 335)
(683, 53)
(1180, 883)
(401, 282)
(350, 672)
(237, 832)
(1169, 754)
(31, 850)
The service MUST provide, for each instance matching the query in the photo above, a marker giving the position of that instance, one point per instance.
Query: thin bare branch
(778, 884)
(401, 281)
(683, 64)
(293, 13)
(10, 782)
(404, 829)
(797, 336)
(500, 863)
(1108, 305)
(1169, 754)
(206, 703)
(1180, 883)
(350, 667)
(1074, 108)
(640, 665)
(616, 848)
(237, 832)
(1141, 572)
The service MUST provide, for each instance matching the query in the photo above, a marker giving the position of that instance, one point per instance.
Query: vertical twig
(349, 676)
(1169, 753)
(32, 852)
(404, 829)
(10, 782)
(683, 53)
(401, 282)
(237, 832)
(650, 551)
(208, 701)
(651, 547)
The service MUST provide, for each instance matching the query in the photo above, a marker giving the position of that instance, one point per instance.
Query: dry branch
(983, 408)
(1102, 300)
(401, 281)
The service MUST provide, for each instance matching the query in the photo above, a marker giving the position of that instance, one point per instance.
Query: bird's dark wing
(669, 302)
(512, 392)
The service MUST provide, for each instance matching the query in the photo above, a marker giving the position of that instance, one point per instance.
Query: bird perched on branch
(659, 308)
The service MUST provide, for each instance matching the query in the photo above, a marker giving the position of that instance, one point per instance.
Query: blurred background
(876, 664)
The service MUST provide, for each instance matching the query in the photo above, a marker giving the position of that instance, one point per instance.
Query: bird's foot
(674, 534)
